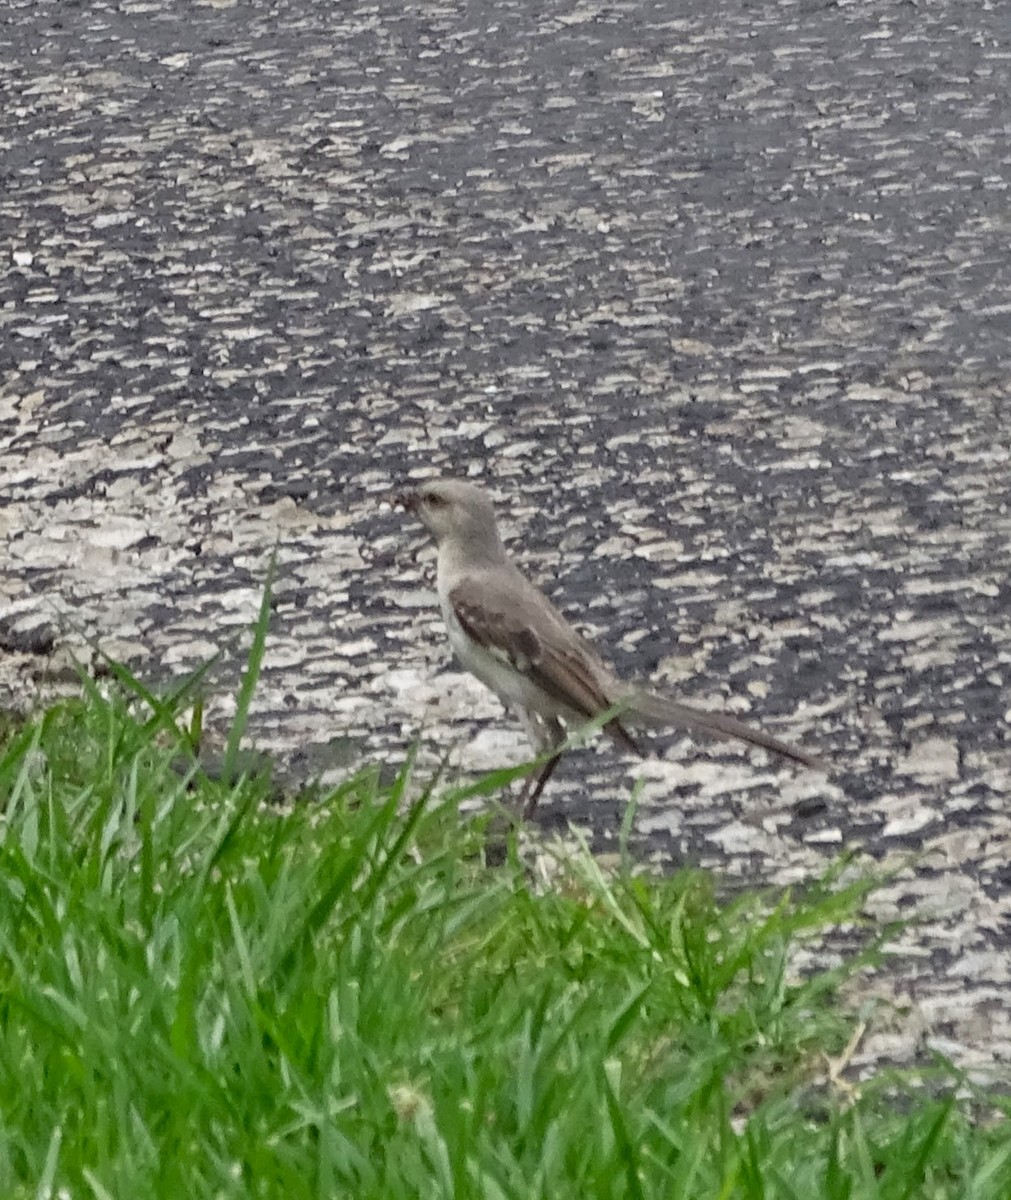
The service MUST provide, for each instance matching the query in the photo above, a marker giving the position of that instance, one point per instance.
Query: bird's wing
(509, 618)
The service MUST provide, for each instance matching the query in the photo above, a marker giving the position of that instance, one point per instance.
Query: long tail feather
(655, 709)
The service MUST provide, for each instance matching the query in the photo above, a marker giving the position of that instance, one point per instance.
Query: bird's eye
(434, 499)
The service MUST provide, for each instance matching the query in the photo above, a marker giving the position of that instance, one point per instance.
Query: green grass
(203, 994)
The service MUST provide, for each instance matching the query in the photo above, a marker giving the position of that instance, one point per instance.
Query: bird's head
(454, 510)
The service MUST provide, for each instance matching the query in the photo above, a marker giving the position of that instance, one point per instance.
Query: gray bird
(517, 643)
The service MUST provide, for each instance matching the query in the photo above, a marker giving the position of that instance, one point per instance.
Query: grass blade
(251, 675)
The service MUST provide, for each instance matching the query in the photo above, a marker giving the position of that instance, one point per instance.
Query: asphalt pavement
(716, 297)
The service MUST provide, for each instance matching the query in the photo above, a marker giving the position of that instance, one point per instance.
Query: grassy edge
(250, 938)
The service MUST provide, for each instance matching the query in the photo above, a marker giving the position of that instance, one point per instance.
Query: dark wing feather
(519, 624)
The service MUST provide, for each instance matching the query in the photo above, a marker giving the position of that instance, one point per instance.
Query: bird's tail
(652, 708)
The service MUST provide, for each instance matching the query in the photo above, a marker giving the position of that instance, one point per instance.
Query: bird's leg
(530, 795)
(546, 733)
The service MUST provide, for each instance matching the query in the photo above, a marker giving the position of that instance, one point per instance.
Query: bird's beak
(405, 500)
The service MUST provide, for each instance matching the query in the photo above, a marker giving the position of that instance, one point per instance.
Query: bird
(517, 643)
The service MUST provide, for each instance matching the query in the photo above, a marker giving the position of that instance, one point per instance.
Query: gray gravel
(716, 295)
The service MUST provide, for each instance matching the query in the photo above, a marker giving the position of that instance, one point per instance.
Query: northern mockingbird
(517, 643)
